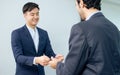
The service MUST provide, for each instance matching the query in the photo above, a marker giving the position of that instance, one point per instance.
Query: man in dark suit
(31, 45)
(93, 44)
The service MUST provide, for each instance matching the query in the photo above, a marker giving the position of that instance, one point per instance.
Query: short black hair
(92, 3)
(29, 6)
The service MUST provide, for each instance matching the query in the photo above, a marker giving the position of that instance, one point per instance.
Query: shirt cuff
(34, 61)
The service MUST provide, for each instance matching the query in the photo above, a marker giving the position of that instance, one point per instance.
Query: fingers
(59, 57)
(53, 63)
(44, 63)
(45, 58)
(42, 60)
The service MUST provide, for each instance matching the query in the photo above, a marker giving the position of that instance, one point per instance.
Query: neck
(90, 11)
(31, 26)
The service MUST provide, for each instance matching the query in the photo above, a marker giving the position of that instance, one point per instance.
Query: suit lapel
(29, 37)
(40, 40)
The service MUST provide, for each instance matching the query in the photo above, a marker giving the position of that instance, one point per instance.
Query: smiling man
(31, 45)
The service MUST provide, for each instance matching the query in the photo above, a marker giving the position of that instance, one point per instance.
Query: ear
(82, 5)
(77, 4)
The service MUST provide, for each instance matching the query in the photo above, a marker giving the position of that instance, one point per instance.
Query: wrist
(36, 60)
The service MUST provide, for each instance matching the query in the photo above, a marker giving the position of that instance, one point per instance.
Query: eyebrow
(34, 13)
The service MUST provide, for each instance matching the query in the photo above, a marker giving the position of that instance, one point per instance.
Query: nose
(36, 16)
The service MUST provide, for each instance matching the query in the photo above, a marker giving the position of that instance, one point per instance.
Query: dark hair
(30, 6)
(92, 3)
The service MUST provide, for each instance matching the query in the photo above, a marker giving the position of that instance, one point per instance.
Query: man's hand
(54, 61)
(42, 60)
(59, 57)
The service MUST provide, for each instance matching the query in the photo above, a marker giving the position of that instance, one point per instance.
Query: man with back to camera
(31, 45)
(94, 44)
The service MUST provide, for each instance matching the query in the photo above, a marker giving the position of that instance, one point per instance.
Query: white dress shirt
(35, 36)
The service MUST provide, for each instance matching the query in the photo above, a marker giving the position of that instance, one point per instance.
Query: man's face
(32, 17)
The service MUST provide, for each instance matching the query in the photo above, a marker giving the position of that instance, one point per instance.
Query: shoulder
(42, 31)
(18, 30)
(79, 27)
(16, 33)
(81, 24)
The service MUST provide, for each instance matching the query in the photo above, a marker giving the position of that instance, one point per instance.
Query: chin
(34, 24)
(82, 19)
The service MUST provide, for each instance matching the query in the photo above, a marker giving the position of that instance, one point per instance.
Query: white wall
(56, 16)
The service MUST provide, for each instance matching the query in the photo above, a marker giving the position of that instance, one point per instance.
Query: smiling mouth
(35, 20)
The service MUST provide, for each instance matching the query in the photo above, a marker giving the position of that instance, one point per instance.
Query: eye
(37, 14)
(32, 14)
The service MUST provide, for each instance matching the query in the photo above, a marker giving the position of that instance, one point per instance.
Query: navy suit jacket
(94, 47)
(24, 51)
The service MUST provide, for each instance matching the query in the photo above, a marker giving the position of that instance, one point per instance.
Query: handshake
(44, 60)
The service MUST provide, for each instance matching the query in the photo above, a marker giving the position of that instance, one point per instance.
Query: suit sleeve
(18, 50)
(48, 49)
(77, 56)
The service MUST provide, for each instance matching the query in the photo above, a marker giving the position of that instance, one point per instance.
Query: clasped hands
(44, 60)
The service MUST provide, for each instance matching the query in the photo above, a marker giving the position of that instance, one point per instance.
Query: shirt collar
(91, 15)
(31, 29)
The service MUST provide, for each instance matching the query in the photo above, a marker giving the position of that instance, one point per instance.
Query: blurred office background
(56, 16)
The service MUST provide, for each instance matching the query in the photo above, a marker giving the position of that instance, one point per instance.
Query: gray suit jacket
(94, 47)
